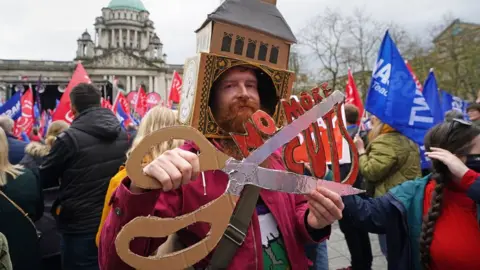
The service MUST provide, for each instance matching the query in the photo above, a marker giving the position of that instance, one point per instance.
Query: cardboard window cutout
(226, 42)
(262, 53)
(274, 54)
(239, 42)
(251, 48)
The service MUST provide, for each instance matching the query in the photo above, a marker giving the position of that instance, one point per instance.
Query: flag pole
(361, 121)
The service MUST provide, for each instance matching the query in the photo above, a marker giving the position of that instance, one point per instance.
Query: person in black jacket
(82, 160)
(358, 241)
(21, 204)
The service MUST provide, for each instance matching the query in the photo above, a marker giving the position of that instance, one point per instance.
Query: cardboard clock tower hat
(238, 33)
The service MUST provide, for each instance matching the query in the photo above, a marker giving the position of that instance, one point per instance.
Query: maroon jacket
(288, 210)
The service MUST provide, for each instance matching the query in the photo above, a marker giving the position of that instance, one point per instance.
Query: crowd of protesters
(65, 196)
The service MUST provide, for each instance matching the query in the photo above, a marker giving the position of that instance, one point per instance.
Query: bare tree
(296, 63)
(365, 35)
(325, 36)
(406, 43)
(295, 60)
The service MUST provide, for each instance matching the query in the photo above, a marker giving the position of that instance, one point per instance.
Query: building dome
(136, 5)
(86, 35)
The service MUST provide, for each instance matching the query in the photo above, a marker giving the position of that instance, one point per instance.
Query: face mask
(473, 162)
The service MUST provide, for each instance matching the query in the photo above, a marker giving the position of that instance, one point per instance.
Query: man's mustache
(244, 103)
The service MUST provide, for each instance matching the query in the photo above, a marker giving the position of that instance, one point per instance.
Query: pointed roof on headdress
(254, 14)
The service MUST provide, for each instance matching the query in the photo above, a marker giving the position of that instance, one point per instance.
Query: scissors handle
(210, 158)
(217, 213)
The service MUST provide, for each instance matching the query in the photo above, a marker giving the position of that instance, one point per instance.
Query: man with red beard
(281, 224)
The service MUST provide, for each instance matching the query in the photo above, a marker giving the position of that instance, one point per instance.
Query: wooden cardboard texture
(210, 67)
(256, 47)
(216, 213)
(252, 30)
(210, 158)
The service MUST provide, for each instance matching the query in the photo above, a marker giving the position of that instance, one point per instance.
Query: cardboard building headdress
(252, 33)
(238, 32)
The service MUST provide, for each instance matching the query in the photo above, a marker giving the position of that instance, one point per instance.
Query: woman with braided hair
(433, 222)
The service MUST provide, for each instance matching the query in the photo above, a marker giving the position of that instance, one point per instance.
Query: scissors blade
(290, 131)
(242, 173)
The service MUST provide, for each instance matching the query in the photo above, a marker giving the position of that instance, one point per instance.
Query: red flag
(175, 88)
(418, 84)
(25, 122)
(63, 111)
(153, 99)
(132, 98)
(352, 95)
(123, 102)
(106, 104)
(141, 106)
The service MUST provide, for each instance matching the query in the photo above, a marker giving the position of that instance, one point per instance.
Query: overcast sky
(48, 29)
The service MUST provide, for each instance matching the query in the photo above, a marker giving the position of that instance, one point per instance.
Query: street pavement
(339, 256)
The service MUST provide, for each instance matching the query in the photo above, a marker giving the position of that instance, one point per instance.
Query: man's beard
(233, 119)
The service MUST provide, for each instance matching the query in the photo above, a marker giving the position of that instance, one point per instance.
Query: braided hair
(455, 137)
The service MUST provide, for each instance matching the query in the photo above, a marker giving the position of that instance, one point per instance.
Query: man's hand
(325, 208)
(172, 169)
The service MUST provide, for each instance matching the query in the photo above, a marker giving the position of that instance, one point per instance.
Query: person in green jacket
(389, 160)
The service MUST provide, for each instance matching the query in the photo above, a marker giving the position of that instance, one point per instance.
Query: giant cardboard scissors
(218, 212)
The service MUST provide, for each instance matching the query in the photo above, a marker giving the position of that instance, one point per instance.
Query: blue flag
(394, 98)
(430, 92)
(451, 102)
(36, 111)
(13, 106)
(48, 121)
(122, 116)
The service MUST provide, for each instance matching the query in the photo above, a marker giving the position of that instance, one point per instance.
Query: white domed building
(124, 48)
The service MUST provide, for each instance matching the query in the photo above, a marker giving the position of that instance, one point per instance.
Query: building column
(114, 89)
(150, 84)
(148, 39)
(99, 38)
(134, 83)
(121, 37)
(113, 43)
(129, 88)
(157, 85)
(128, 38)
(163, 91)
(135, 41)
(105, 77)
